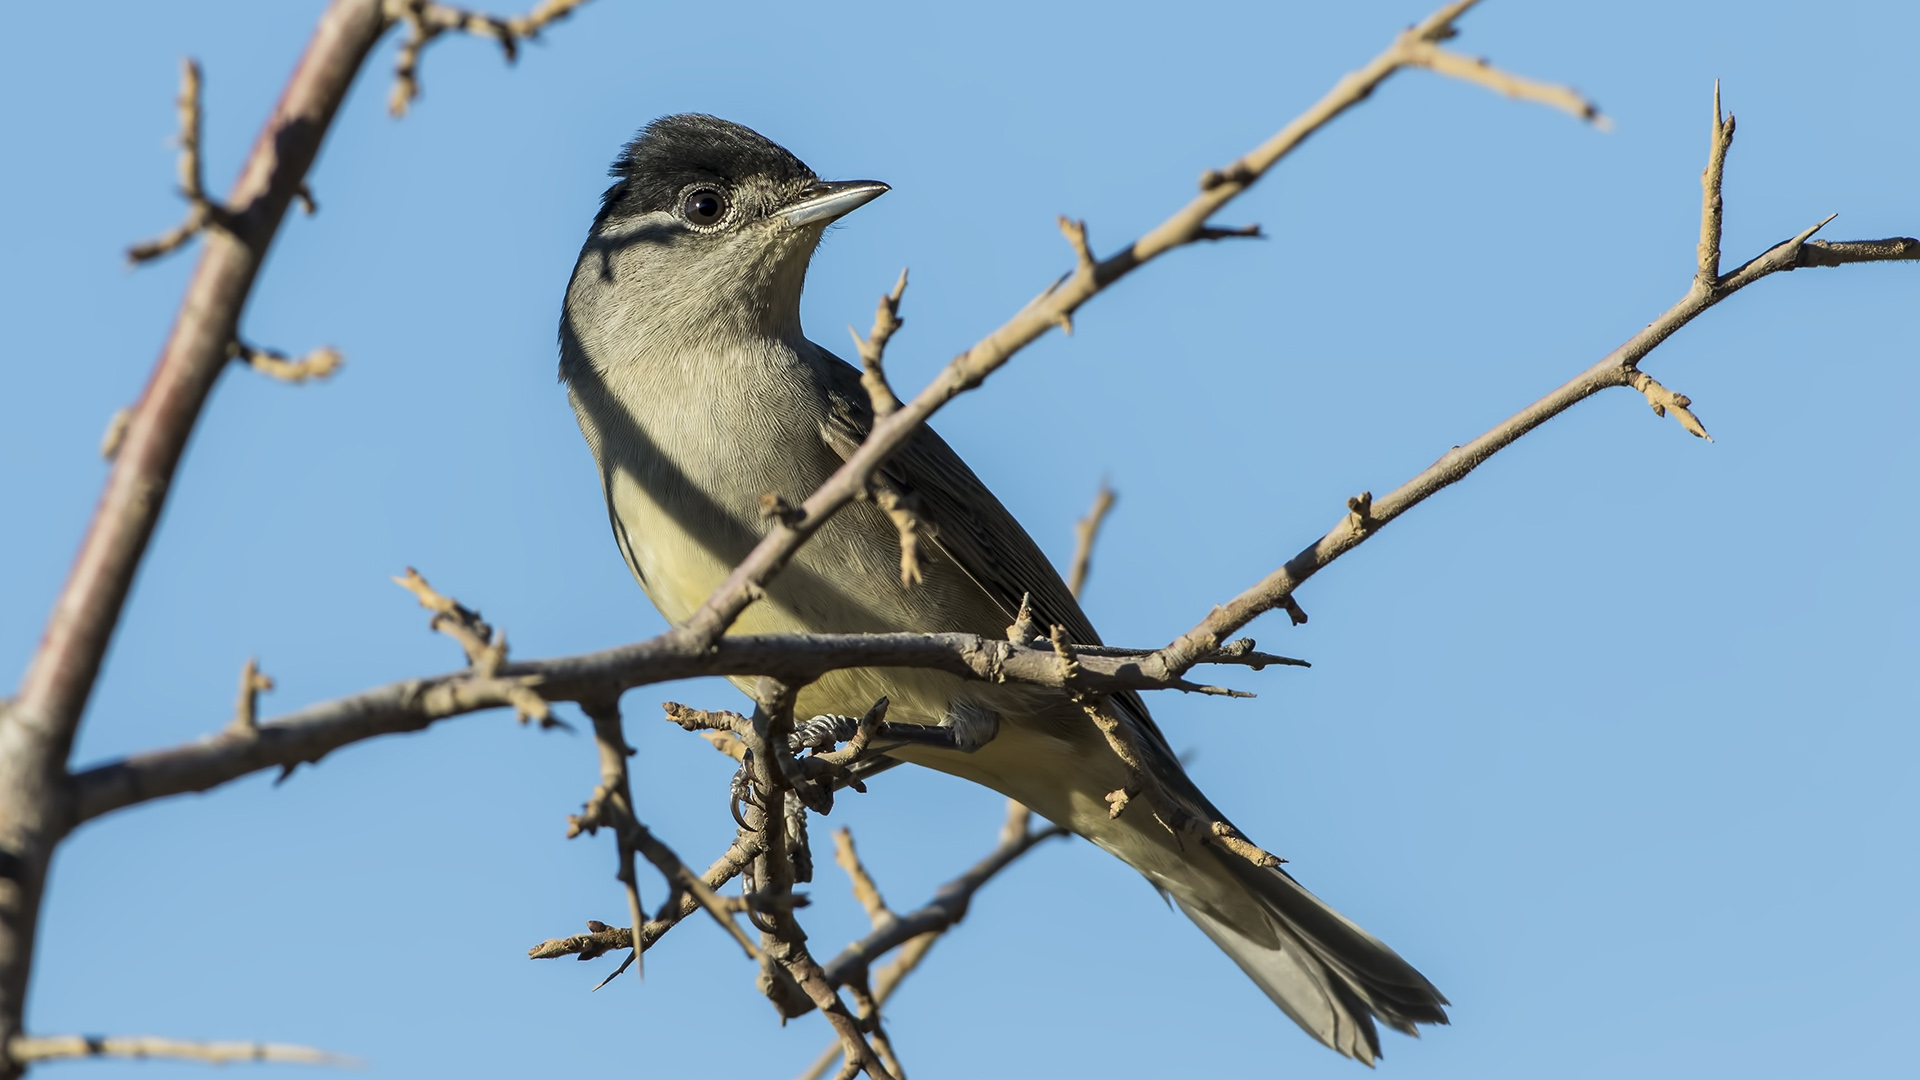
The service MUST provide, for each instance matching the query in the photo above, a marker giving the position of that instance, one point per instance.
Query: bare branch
(485, 646)
(948, 906)
(1085, 532)
(412, 705)
(1837, 253)
(202, 212)
(1618, 368)
(782, 940)
(601, 939)
(1016, 837)
(30, 1048)
(864, 888)
(37, 727)
(426, 20)
(873, 349)
(1056, 305)
(611, 805)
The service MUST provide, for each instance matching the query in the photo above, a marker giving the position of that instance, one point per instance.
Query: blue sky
(1613, 740)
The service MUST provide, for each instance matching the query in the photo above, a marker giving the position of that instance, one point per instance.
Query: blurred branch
(1085, 532)
(202, 212)
(37, 727)
(426, 20)
(25, 1049)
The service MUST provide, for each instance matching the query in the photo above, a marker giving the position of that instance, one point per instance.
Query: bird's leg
(823, 732)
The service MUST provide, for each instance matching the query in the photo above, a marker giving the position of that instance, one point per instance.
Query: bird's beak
(830, 199)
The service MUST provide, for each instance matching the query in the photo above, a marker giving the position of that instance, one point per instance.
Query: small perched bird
(698, 393)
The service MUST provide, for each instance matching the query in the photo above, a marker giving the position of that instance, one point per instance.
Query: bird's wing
(977, 534)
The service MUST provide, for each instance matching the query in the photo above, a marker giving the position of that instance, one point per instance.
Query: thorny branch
(309, 734)
(36, 729)
(611, 806)
(774, 873)
(1016, 837)
(1416, 47)
(486, 649)
(915, 932)
(1367, 515)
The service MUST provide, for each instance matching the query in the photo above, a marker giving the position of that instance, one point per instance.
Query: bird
(698, 393)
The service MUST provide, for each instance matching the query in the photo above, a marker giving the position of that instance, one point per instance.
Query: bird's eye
(704, 206)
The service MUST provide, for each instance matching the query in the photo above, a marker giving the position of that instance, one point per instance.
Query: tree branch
(426, 20)
(1618, 368)
(25, 1049)
(1017, 837)
(309, 734)
(1415, 47)
(37, 729)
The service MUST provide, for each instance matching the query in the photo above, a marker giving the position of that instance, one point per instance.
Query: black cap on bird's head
(713, 175)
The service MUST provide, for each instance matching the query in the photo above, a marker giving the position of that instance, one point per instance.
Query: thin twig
(321, 363)
(1085, 532)
(486, 649)
(202, 212)
(246, 710)
(1016, 838)
(873, 349)
(426, 20)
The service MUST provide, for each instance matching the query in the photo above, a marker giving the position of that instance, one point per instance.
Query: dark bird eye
(704, 206)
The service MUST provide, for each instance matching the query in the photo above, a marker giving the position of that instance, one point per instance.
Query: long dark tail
(1330, 976)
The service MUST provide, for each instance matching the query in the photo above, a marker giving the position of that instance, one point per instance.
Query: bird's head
(709, 222)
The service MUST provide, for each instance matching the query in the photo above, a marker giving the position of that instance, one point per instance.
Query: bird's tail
(1333, 978)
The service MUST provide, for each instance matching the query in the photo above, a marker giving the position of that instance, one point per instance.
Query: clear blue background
(1615, 740)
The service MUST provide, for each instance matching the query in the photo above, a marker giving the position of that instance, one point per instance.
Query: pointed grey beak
(831, 199)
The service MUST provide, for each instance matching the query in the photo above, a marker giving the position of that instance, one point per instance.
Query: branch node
(775, 507)
(1359, 515)
(246, 709)
(1295, 613)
